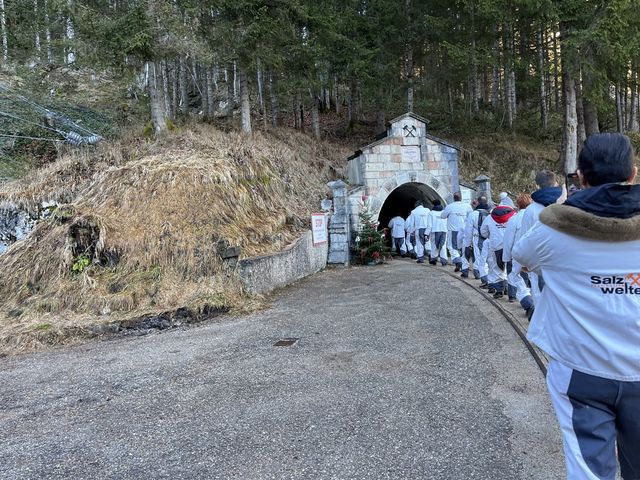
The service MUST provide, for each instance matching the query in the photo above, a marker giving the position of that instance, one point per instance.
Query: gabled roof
(383, 135)
(442, 142)
(409, 114)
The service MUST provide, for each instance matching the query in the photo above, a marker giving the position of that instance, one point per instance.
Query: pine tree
(371, 243)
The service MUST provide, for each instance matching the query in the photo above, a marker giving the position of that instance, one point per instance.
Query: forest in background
(554, 70)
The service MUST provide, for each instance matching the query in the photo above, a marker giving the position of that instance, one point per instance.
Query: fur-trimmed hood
(609, 213)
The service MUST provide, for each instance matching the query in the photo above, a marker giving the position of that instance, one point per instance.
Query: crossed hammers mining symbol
(635, 279)
(410, 130)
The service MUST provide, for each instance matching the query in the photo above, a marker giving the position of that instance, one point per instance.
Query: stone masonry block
(411, 141)
(386, 174)
(385, 149)
(371, 175)
(389, 185)
(402, 178)
(373, 167)
(338, 238)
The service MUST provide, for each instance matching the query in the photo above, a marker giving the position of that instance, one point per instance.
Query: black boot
(458, 267)
(530, 311)
(465, 274)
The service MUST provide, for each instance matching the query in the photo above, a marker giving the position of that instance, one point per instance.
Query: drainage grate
(285, 342)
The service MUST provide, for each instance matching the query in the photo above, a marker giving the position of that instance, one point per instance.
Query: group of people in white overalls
(581, 254)
(473, 237)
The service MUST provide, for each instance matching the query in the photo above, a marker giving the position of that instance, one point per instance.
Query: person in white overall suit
(587, 318)
(456, 214)
(418, 225)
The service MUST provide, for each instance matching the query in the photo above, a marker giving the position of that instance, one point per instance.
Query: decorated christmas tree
(371, 244)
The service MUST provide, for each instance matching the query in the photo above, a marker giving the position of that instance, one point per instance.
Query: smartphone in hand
(572, 181)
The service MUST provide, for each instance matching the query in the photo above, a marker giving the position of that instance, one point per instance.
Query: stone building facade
(402, 165)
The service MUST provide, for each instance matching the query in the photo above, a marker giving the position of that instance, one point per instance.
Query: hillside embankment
(132, 228)
(136, 226)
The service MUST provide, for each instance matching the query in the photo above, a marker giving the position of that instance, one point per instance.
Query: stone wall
(261, 275)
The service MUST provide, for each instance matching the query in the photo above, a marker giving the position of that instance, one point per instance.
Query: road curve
(399, 372)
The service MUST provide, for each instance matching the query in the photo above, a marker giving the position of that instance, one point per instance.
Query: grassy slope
(149, 215)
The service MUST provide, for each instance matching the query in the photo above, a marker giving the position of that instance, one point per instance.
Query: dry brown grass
(510, 161)
(148, 215)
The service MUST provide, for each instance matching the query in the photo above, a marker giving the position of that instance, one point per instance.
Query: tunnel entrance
(402, 201)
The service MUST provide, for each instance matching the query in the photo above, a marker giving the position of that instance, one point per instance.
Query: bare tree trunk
(633, 125)
(336, 96)
(211, 104)
(215, 76)
(3, 25)
(544, 114)
(475, 81)
(510, 77)
(273, 93)
(409, 62)
(315, 114)
(236, 81)
(175, 99)
(165, 89)
(570, 137)
(47, 30)
(201, 79)
(556, 73)
(591, 125)
(581, 132)
(495, 75)
(263, 110)
(158, 115)
(230, 91)
(184, 88)
(245, 107)
(619, 109)
(70, 34)
(548, 72)
(36, 12)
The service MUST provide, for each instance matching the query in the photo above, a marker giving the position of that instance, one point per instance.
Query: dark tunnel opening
(402, 200)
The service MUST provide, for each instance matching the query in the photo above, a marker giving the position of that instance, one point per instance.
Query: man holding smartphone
(587, 318)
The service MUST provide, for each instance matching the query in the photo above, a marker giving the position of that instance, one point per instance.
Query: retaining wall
(266, 273)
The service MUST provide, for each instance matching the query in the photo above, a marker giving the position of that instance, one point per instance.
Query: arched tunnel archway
(402, 200)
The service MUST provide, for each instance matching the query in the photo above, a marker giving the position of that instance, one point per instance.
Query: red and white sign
(319, 228)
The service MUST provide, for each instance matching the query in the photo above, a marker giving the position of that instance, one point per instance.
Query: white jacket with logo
(512, 234)
(493, 232)
(588, 315)
(418, 218)
(397, 227)
(435, 223)
(456, 214)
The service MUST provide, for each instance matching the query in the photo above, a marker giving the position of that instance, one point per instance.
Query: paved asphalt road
(400, 372)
